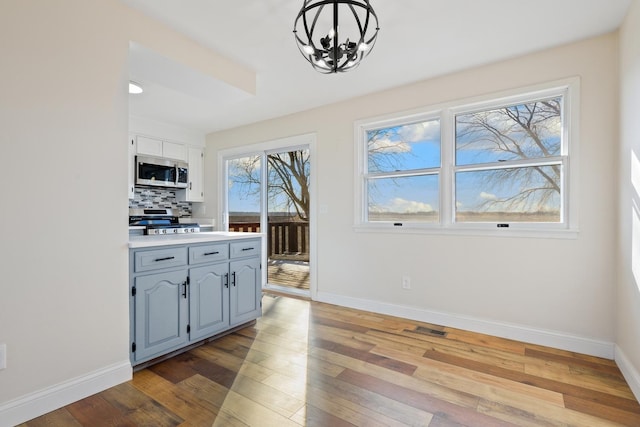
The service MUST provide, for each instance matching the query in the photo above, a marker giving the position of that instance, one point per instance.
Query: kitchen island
(185, 289)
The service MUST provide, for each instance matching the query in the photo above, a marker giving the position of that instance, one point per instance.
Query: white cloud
(420, 131)
(488, 196)
(388, 146)
(406, 206)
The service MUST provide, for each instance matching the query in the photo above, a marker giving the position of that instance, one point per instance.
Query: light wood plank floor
(312, 364)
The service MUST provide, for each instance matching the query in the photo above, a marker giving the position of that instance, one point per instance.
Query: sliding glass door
(269, 192)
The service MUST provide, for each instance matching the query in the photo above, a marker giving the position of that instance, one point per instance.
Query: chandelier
(338, 39)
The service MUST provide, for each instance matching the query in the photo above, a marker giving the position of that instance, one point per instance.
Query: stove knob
(164, 231)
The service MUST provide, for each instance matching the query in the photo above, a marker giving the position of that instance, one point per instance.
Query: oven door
(156, 172)
(182, 180)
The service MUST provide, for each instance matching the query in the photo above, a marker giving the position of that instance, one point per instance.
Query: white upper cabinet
(159, 148)
(195, 190)
(171, 150)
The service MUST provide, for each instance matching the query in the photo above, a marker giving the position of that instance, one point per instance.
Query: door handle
(184, 289)
(233, 279)
(226, 280)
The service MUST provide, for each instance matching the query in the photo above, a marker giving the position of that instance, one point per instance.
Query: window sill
(466, 231)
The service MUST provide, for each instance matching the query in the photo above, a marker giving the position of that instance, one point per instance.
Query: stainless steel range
(160, 221)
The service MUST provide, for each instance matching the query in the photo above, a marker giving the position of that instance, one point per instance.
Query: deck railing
(286, 239)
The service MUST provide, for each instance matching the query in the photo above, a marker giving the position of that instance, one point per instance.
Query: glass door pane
(243, 193)
(288, 220)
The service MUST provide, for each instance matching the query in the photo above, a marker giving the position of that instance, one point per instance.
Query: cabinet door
(209, 300)
(161, 313)
(245, 293)
(132, 161)
(195, 191)
(172, 150)
(149, 146)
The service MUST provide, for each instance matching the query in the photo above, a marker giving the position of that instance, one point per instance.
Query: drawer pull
(247, 249)
(164, 259)
(211, 253)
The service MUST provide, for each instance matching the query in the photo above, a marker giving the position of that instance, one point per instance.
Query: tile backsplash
(157, 198)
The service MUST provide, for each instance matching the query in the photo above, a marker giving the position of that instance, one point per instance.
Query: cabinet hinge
(133, 291)
(188, 328)
(133, 347)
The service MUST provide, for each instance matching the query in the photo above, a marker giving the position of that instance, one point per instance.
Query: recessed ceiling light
(134, 88)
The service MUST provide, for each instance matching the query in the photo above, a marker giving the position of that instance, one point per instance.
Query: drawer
(159, 258)
(244, 248)
(208, 253)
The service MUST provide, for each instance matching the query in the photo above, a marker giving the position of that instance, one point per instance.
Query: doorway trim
(264, 148)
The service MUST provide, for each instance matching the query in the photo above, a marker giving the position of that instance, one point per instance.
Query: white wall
(63, 117)
(64, 310)
(554, 291)
(628, 301)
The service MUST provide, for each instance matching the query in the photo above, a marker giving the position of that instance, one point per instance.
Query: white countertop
(181, 239)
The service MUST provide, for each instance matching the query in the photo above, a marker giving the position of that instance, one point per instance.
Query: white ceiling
(418, 39)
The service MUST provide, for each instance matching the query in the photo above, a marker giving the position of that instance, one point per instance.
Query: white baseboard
(629, 371)
(527, 334)
(51, 398)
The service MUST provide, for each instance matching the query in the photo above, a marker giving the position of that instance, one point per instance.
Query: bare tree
(520, 132)
(288, 174)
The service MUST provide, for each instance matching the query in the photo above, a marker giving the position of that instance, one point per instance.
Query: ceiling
(418, 39)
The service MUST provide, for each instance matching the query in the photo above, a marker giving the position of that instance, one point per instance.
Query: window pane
(244, 192)
(528, 194)
(405, 147)
(404, 199)
(517, 132)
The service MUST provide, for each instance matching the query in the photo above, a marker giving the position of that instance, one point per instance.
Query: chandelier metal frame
(328, 54)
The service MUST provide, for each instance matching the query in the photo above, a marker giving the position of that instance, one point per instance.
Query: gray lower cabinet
(245, 293)
(209, 302)
(161, 310)
(186, 293)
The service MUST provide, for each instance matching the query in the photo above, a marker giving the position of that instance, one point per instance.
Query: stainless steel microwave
(159, 172)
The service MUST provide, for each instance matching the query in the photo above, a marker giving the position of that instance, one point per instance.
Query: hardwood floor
(312, 364)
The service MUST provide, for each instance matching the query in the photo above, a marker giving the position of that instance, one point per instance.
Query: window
(497, 164)
(403, 172)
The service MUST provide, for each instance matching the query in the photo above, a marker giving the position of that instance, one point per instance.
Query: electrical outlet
(406, 282)
(3, 356)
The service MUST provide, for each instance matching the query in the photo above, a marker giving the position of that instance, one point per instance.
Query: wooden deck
(289, 273)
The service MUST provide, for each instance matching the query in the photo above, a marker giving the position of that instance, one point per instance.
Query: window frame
(568, 89)
(364, 156)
